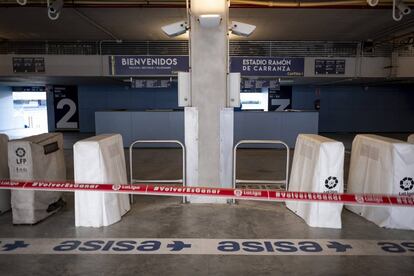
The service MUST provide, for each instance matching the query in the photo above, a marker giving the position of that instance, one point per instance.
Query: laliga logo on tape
(359, 199)
(116, 187)
(238, 193)
(407, 183)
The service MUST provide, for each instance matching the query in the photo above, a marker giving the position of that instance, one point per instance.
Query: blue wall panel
(120, 122)
(359, 109)
(101, 98)
(343, 109)
(283, 126)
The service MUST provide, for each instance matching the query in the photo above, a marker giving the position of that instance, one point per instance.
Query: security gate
(137, 181)
(272, 142)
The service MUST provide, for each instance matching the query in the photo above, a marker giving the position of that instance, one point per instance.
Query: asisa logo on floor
(179, 246)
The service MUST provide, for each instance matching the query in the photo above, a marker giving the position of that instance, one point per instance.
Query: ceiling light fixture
(175, 29)
(209, 20)
(242, 29)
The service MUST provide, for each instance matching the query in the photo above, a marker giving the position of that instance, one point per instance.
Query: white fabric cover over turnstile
(411, 139)
(100, 159)
(317, 166)
(4, 173)
(381, 165)
(38, 157)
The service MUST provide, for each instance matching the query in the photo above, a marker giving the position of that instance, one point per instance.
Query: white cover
(317, 166)
(28, 161)
(382, 165)
(100, 159)
(411, 139)
(4, 173)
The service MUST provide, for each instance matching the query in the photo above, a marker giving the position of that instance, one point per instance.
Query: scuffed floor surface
(167, 217)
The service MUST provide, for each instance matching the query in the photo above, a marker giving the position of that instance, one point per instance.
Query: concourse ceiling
(105, 21)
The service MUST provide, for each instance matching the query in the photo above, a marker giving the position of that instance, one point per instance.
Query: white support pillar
(208, 123)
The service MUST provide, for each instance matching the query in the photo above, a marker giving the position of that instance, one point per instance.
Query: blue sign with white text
(170, 65)
(147, 65)
(268, 66)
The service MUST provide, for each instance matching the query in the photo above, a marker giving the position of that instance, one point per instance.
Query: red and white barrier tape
(246, 194)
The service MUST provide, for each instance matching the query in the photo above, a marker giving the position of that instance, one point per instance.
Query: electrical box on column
(233, 87)
(184, 84)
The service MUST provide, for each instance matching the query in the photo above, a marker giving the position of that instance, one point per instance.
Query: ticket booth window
(254, 101)
(30, 111)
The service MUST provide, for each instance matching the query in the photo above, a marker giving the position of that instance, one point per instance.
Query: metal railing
(144, 48)
(406, 51)
(136, 181)
(294, 48)
(174, 47)
(50, 47)
(278, 182)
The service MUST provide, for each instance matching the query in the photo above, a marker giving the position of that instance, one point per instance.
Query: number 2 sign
(66, 107)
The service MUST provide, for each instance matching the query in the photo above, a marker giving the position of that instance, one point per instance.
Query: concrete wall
(405, 67)
(374, 67)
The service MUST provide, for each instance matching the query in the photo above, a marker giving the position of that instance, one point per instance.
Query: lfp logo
(407, 184)
(331, 182)
(21, 153)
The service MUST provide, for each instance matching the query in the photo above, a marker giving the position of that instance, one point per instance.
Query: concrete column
(207, 143)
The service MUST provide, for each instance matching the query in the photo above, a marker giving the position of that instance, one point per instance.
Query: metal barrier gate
(280, 182)
(136, 181)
